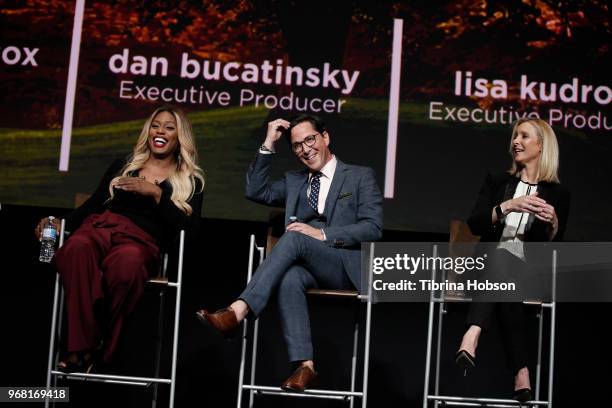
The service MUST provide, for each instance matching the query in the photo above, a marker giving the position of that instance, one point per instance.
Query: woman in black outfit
(526, 204)
(142, 201)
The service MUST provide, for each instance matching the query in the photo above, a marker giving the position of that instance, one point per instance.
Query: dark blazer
(501, 187)
(353, 208)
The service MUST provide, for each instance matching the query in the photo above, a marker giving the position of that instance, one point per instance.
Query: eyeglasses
(308, 141)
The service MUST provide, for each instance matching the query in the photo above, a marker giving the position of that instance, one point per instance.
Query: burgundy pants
(105, 262)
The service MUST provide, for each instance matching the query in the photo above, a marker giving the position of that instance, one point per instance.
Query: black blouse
(161, 220)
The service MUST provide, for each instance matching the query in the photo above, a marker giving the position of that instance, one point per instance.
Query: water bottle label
(49, 233)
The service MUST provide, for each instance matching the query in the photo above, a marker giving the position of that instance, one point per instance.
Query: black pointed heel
(84, 364)
(523, 395)
(465, 360)
(80, 367)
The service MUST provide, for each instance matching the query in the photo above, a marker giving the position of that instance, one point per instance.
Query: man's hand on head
(275, 131)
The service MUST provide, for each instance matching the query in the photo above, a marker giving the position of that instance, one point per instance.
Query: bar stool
(440, 301)
(249, 384)
(160, 281)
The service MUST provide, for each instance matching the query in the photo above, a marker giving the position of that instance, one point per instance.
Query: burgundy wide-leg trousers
(107, 259)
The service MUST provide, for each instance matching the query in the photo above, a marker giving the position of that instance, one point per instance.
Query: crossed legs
(297, 262)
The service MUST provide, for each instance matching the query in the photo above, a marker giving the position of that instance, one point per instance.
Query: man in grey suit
(330, 209)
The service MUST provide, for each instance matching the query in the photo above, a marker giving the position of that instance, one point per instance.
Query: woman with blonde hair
(141, 202)
(525, 204)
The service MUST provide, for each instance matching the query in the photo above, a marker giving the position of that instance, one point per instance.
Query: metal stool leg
(553, 316)
(56, 323)
(160, 331)
(242, 361)
(245, 330)
(366, 350)
(254, 361)
(177, 312)
(441, 312)
(366, 345)
(430, 323)
(52, 355)
(539, 361)
(354, 356)
(255, 340)
(252, 247)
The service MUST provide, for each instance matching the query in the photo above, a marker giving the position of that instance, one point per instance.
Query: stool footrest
(333, 292)
(158, 280)
(483, 402)
(161, 281)
(310, 393)
(120, 379)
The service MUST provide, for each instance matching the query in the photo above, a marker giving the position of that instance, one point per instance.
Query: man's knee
(292, 237)
(292, 241)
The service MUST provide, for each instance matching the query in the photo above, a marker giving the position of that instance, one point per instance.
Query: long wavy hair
(548, 166)
(183, 178)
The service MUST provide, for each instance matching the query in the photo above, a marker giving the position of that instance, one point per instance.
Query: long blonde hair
(183, 178)
(548, 165)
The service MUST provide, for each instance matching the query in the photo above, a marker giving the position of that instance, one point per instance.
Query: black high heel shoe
(84, 364)
(523, 395)
(80, 367)
(465, 360)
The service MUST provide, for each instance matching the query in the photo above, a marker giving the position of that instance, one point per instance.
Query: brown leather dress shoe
(223, 321)
(303, 377)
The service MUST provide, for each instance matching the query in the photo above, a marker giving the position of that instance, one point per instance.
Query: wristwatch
(499, 212)
(264, 148)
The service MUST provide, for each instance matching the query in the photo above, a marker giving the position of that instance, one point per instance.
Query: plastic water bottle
(47, 243)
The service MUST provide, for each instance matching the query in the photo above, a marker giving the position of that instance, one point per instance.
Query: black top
(161, 220)
(501, 187)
